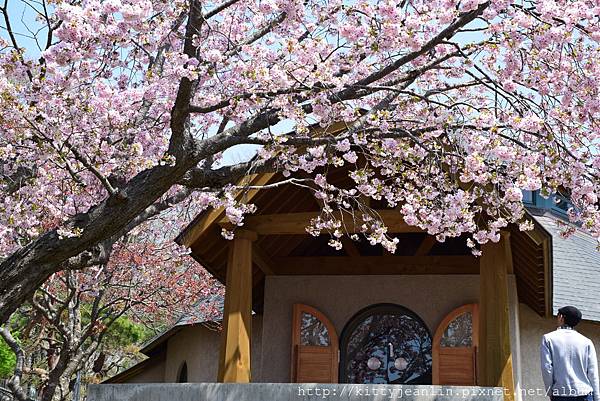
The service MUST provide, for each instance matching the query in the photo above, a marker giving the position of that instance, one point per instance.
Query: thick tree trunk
(25, 270)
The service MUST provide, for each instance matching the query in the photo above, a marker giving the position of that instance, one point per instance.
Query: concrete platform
(288, 392)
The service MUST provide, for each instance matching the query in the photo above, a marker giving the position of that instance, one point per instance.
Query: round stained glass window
(391, 334)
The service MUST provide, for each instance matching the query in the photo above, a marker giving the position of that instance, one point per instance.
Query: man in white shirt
(569, 364)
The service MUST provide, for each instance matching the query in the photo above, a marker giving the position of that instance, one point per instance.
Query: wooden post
(494, 354)
(234, 361)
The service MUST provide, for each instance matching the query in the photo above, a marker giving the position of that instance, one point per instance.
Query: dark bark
(25, 270)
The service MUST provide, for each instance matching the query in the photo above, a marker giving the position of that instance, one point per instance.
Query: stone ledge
(288, 392)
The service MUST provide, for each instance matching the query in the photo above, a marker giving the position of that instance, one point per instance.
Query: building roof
(576, 265)
(195, 317)
(132, 371)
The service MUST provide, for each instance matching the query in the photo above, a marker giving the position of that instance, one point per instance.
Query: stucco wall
(152, 373)
(340, 297)
(533, 327)
(199, 347)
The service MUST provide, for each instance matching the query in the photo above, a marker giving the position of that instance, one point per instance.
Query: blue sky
(23, 20)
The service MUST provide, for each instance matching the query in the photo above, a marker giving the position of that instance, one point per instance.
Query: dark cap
(571, 314)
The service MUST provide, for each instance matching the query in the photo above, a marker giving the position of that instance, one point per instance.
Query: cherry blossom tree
(445, 109)
(81, 321)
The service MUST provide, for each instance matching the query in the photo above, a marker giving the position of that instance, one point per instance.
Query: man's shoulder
(558, 333)
(585, 339)
(551, 334)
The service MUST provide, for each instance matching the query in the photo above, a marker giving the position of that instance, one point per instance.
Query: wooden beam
(234, 361)
(495, 355)
(205, 220)
(296, 223)
(262, 260)
(350, 247)
(426, 245)
(388, 264)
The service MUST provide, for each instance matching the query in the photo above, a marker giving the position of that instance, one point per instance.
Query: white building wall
(199, 347)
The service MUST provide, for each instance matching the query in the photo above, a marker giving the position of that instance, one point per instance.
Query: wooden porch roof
(284, 248)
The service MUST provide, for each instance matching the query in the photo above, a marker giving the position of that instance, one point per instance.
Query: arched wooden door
(315, 347)
(385, 344)
(455, 347)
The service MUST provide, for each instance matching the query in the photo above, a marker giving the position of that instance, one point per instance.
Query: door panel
(386, 344)
(456, 366)
(314, 364)
(455, 347)
(314, 347)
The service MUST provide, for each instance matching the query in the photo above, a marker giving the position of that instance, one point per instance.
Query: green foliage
(7, 360)
(124, 332)
(7, 356)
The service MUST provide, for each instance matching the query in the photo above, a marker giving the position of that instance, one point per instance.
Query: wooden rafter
(286, 244)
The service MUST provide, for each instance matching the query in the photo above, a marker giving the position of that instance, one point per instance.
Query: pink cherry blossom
(446, 110)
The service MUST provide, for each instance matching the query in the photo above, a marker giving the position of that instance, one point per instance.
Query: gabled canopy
(284, 248)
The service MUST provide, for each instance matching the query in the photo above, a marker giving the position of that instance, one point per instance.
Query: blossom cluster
(448, 123)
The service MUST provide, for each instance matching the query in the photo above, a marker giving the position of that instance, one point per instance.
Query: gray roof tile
(576, 268)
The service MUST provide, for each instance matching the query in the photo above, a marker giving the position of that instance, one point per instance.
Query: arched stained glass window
(459, 332)
(454, 347)
(314, 347)
(313, 331)
(386, 343)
